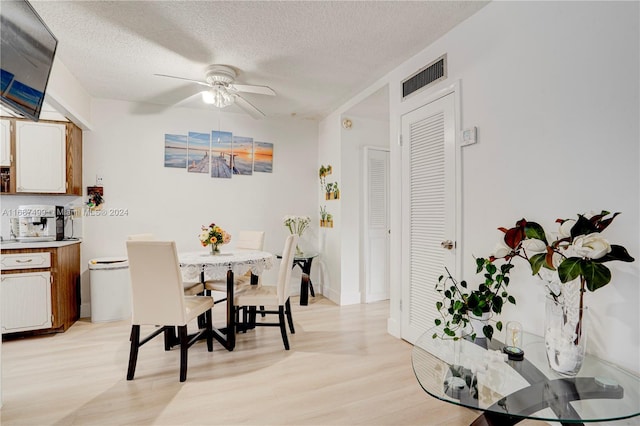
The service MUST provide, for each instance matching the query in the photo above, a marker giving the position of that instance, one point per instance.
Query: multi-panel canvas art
(198, 147)
(175, 151)
(263, 157)
(221, 154)
(242, 155)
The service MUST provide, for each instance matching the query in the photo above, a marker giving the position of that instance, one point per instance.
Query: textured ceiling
(315, 55)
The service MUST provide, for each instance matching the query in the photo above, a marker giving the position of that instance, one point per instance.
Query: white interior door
(376, 224)
(428, 209)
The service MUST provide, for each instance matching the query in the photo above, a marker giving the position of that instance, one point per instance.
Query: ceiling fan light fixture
(218, 96)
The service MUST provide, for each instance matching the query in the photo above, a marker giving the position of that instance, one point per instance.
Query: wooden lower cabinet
(40, 290)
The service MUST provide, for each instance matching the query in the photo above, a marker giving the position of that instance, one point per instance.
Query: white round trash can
(110, 289)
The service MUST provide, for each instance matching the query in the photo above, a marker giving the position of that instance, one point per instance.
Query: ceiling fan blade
(202, 83)
(249, 108)
(261, 90)
(188, 99)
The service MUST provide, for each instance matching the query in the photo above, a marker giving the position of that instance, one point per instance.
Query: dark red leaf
(513, 237)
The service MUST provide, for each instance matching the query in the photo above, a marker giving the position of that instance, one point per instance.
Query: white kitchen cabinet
(26, 301)
(41, 157)
(5, 143)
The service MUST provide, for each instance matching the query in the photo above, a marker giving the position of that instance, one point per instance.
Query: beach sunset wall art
(219, 153)
(263, 157)
(175, 151)
(242, 155)
(198, 146)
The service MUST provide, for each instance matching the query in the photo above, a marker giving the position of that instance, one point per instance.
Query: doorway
(376, 224)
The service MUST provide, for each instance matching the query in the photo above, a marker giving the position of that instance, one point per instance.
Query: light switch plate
(469, 136)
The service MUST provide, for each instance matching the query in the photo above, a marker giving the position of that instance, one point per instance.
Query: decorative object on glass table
(513, 341)
(459, 306)
(297, 225)
(214, 236)
(571, 264)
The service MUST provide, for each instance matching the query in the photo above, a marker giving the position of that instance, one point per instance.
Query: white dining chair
(154, 270)
(190, 288)
(260, 298)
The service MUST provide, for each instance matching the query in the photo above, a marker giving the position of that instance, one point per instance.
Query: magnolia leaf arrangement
(579, 252)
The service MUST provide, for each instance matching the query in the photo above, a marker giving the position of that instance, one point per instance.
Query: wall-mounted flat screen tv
(26, 56)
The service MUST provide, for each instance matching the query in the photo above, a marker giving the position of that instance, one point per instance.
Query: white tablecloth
(216, 267)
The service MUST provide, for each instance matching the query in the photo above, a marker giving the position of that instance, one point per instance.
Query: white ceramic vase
(477, 324)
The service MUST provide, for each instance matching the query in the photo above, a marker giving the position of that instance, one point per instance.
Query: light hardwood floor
(342, 369)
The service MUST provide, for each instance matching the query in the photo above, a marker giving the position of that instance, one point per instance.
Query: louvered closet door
(429, 216)
(377, 225)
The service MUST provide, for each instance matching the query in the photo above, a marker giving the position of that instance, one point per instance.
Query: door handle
(447, 245)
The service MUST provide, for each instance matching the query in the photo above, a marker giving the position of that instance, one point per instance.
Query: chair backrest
(156, 283)
(141, 237)
(284, 273)
(253, 240)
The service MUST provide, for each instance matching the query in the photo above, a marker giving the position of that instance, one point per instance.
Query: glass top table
(475, 375)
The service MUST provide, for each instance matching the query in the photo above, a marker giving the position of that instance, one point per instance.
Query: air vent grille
(427, 76)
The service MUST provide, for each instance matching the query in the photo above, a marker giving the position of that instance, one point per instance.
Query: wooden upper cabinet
(48, 157)
(74, 159)
(41, 157)
(5, 142)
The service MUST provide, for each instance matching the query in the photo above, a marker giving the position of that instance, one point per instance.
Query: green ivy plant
(458, 303)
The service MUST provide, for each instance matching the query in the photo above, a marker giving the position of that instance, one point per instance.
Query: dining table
(203, 266)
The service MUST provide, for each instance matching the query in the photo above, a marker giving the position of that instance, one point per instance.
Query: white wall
(68, 96)
(364, 132)
(553, 88)
(330, 242)
(126, 147)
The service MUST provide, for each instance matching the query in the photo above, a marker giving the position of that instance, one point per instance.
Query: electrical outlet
(99, 180)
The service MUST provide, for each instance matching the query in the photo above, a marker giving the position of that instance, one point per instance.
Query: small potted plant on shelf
(332, 191)
(326, 219)
(323, 172)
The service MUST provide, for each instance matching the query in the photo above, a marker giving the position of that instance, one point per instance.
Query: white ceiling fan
(222, 91)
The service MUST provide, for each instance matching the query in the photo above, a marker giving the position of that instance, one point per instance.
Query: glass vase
(215, 249)
(565, 335)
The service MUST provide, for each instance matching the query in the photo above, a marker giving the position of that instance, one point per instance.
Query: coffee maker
(38, 223)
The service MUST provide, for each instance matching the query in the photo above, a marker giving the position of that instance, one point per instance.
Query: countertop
(15, 245)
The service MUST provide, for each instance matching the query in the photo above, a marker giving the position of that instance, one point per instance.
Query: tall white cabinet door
(26, 301)
(429, 210)
(41, 157)
(376, 220)
(5, 143)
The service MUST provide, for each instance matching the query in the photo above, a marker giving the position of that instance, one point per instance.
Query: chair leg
(283, 327)
(289, 317)
(133, 354)
(251, 317)
(169, 337)
(184, 346)
(209, 328)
